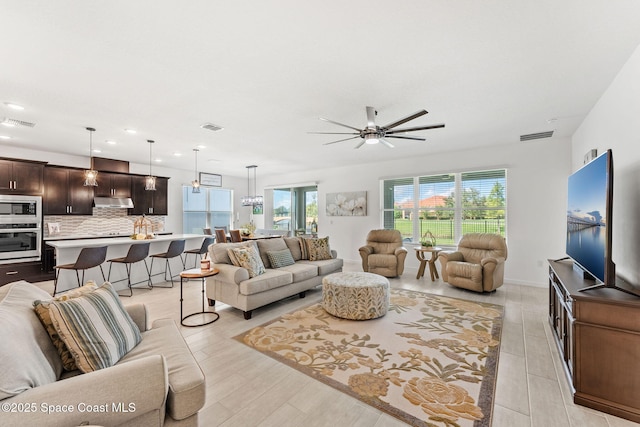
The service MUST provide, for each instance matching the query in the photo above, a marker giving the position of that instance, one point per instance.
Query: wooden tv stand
(598, 337)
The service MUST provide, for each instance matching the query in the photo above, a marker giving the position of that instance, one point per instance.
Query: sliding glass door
(296, 209)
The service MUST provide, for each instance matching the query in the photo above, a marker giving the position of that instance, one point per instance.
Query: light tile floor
(246, 388)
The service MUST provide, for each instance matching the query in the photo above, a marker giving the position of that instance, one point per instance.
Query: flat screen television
(589, 225)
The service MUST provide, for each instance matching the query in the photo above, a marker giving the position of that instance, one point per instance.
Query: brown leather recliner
(478, 264)
(383, 254)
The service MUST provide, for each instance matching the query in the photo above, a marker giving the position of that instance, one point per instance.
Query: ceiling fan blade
(340, 140)
(386, 143)
(439, 125)
(405, 120)
(335, 133)
(360, 145)
(371, 117)
(406, 137)
(340, 124)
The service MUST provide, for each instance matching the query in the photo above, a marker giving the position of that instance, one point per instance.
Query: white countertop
(114, 241)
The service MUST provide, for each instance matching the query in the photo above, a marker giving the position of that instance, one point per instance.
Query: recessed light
(14, 106)
(131, 131)
(214, 160)
(110, 142)
(8, 124)
(157, 160)
(201, 147)
(5, 137)
(177, 154)
(97, 150)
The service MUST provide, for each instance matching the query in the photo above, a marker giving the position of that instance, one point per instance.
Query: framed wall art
(210, 179)
(353, 203)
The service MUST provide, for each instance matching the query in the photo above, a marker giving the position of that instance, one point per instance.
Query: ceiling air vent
(211, 126)
(14, 122)
(539, 135)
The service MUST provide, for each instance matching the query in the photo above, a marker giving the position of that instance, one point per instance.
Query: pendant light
(150, 182)
(251, 200)
(90, 175)
(195, 184)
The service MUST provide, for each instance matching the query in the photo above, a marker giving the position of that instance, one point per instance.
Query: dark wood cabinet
(113, 185)
(65, 193)
(597, 333)
(149, 202)
(29, 271)
(21, 177)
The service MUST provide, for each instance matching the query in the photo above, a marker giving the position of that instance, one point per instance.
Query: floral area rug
(430, 361)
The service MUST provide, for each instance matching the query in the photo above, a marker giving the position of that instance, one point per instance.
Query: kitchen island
(67, 252)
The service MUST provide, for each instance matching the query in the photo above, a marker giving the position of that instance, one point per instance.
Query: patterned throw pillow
(304, 249)
(280, 258)
(318, 248)
(95, 327)
(42, 310)
(248, 258)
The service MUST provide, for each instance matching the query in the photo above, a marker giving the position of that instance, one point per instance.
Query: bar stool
(204, 249)
(176, 248)
(137, 252)
(221, 235)
(88, 258)
(207, 231)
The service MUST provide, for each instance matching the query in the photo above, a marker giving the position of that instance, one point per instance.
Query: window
(446, 205)
(210, 208)
(295, 209)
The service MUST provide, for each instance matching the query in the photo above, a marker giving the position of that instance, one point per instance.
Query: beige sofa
(233, 285)
(157, 383)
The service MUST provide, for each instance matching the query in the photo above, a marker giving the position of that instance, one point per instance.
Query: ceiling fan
(373, 134)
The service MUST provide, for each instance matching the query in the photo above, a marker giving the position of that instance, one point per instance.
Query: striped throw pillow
(95, 327)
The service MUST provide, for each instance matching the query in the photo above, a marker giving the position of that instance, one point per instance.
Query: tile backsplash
(103, 221)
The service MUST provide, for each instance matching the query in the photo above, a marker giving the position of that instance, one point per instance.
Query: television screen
(588, 240)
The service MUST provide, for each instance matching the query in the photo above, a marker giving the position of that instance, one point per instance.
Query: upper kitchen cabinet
(149, 202)
(113, 185)
(65, 193)
(21, 177)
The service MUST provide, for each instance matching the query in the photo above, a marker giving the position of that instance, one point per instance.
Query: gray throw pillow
(280, 258)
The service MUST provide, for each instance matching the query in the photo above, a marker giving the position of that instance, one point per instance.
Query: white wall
(536, 196)
(614, 122)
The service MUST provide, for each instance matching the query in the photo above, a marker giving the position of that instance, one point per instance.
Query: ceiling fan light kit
(373, 134)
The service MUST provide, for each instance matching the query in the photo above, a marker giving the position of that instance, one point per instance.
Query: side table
(196, 273)
(420, 254)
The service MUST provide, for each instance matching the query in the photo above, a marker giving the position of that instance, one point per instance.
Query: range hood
(113, 202)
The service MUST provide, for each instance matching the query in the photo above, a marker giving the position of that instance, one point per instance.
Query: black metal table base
(203, 312)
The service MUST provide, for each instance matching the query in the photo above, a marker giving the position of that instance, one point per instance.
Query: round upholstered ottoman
(355, 296)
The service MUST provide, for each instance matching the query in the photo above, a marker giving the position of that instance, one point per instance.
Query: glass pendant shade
(150, 181)
(254, 199)
(91, 175)
(195, 184)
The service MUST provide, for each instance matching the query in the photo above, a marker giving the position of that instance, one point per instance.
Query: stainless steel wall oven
(20, 228)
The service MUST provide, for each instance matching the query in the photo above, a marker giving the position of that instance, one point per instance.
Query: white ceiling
(491, 70)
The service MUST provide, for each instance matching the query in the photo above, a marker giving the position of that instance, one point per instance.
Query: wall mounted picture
(353, 203)
(210, 179)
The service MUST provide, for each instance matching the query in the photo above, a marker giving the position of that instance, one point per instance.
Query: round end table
(196, 273)
(420, 252)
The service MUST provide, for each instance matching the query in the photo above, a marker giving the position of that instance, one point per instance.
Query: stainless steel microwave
(20, 228)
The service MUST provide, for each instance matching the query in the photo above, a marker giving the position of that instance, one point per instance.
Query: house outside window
(446, 205)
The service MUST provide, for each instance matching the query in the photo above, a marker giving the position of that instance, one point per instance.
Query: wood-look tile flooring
(246, 388)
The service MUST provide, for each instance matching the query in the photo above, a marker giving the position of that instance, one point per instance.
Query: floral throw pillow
(318, 249)
(249, 258)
